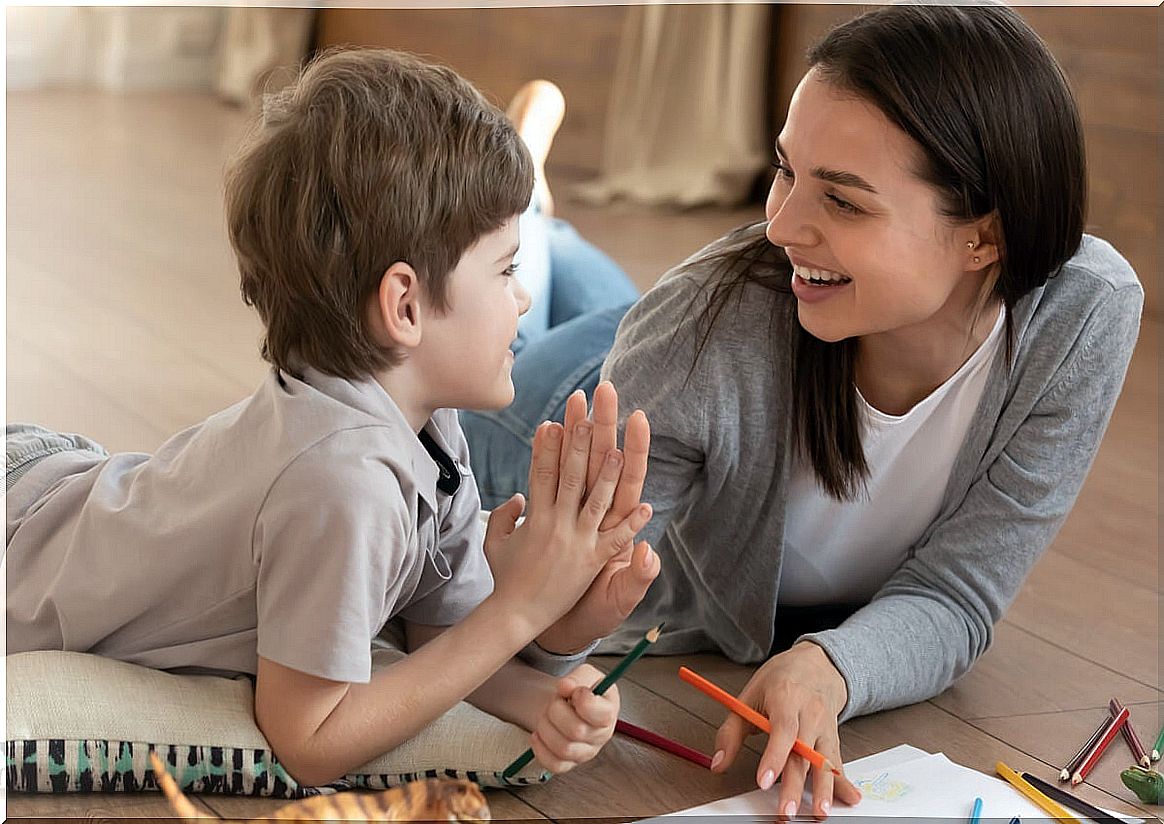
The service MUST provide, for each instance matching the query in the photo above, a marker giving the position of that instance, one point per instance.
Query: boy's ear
(396, 307)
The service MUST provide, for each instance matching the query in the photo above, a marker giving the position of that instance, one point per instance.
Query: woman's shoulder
(1097, 263)
(694, 299)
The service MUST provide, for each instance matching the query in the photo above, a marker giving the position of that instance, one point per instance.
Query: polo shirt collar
(369, 397)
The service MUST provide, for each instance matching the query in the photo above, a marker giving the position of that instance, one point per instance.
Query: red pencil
(656, 740)
(1113, 727)
(1134, 742)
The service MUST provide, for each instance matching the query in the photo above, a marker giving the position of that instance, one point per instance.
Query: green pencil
(651, 637)
(1158, 746)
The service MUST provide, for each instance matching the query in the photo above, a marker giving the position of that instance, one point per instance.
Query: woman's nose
(789, 222)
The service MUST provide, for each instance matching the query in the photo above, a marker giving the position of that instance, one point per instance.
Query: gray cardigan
(720, 458)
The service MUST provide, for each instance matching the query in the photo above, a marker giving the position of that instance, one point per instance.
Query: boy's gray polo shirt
(292, 525)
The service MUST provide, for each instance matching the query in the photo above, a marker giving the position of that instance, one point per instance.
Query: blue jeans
(557, 351)
(26, 445)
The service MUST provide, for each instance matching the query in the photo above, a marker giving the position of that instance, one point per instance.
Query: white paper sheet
(903, 782)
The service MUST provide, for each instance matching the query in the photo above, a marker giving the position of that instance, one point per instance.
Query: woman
(871, 413)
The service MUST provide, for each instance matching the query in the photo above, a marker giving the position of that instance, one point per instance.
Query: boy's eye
(510, 270)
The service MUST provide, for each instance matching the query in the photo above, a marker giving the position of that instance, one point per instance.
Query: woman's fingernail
(825, 806)
(790, 809)
(717, 759)
(767, 779)
(553, 432)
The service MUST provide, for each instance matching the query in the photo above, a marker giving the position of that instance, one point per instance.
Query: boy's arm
(322, 729)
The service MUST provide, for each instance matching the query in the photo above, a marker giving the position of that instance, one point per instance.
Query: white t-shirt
(843, 552)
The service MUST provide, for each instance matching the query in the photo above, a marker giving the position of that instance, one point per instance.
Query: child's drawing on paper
(883, 788)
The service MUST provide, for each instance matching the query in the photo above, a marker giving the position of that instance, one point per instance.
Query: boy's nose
(523, 298)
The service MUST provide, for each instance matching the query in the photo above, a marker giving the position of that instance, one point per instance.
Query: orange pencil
(756, 719)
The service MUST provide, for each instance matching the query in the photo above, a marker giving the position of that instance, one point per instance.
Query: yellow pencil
(1034, 795)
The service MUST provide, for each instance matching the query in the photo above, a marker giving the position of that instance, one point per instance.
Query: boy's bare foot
(536, 111)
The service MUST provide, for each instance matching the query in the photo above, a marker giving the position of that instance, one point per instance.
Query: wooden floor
(124, 322)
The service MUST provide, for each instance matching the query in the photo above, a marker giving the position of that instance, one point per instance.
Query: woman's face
(871, 252)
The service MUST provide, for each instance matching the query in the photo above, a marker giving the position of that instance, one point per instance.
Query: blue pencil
(976, 813)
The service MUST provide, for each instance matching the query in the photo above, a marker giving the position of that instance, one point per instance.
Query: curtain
(261, 51)
(687, 117)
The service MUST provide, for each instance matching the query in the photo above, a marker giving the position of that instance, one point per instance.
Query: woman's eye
(843, 205)
(781, 170)
(510, 270)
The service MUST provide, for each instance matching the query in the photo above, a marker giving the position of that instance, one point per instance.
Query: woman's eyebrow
(834, 176)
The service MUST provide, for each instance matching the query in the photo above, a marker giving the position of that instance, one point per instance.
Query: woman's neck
(897, 370)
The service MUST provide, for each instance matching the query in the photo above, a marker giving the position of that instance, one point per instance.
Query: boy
(374, 217)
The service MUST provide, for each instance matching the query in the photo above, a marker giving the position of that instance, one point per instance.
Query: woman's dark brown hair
(999, 133)
(372, 157)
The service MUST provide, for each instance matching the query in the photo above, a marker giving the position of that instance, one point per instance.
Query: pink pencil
(656, 740)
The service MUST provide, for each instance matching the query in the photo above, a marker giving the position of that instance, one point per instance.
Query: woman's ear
(396, 307)
(983, 246)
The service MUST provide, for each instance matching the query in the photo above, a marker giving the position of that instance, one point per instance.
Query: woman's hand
(576, 723)
(802, 694)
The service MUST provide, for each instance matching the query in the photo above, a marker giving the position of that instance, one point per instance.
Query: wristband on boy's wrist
(553, 663)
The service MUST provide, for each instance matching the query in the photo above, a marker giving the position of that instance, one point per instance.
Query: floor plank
(1100, 617)
(1023, 674)
(503, 805)
(632, 779)
(91, 807)
(1114, 526)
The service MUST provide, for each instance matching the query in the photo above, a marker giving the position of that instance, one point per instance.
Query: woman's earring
(977, 259)
(969, 244)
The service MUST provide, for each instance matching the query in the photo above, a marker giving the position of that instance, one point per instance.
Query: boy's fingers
(602, 491)
(596, 710)
(605, 417)
(503, 520)
(575, 412)
(547, 757)
(543, 467)
(572, 482)
(636, 450)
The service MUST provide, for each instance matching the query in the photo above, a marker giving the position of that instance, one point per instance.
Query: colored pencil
(1069, 800)
(1016, 820)
(1077, 759)
(622, 666)
(1130, 736)
(1113, 727)
(1159, 746)
(1016, 781)
(666, 744)
(756, 719)
(976, 811)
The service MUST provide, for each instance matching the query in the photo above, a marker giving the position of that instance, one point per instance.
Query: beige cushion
(79, 722)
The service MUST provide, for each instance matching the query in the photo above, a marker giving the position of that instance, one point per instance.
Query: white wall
(113, 47)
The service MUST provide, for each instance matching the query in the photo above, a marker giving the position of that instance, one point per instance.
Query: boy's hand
(576, 722)
(626, 576)
(542, 568)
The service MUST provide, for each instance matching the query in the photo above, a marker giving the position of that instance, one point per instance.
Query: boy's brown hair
(371, 157)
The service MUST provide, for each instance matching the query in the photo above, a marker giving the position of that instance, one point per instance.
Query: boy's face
(466, 359)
